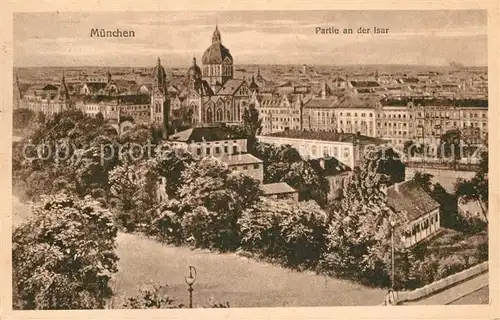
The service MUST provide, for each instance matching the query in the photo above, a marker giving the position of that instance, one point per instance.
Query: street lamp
(190, 278)
(392, 222)
(391, 296)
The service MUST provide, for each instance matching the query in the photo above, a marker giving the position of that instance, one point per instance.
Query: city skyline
(253, 37)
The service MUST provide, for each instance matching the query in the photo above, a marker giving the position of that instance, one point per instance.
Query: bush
(155, 297)
(451, 265)
(204, 228)
(63, 256)
(290, 232)
(482, 252)
(151, 298)
(165, 223)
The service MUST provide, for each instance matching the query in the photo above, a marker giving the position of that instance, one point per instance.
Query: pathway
(452, 294)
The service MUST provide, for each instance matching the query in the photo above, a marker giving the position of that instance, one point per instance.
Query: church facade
(214, 96)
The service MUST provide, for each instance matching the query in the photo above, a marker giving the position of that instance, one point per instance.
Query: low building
(346, 147)
(421, 210)
(279, 190)
(209, 141)
(245, 163)
(334, 172)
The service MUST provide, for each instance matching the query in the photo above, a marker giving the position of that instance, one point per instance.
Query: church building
(214, 95)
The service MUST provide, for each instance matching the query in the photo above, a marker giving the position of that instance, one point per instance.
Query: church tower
(18, 96)
(160, 103)
(217, 63)
(63, 89)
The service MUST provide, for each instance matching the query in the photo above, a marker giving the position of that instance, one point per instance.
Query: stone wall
(443, 283)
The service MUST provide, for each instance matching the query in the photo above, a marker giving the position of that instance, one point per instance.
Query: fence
(442, 284)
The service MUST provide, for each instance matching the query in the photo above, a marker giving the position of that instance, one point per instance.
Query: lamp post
(190, 278)
(392, 222)
(390, 297)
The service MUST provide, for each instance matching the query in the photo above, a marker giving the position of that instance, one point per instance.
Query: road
(480, 296)
(456, 293)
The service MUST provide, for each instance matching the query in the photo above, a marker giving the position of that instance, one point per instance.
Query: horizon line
(260, 64)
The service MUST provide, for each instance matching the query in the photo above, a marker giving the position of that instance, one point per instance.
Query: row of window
(217, 150)
(355, 114)
(215, 70)
(245, 167)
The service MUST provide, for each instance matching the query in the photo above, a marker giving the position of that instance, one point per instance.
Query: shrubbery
(63, 256)
(155, 297)
(289, 232)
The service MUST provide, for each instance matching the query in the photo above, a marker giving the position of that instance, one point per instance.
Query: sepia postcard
(273, 160)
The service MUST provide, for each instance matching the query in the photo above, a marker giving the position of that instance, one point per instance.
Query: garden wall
(443, 283)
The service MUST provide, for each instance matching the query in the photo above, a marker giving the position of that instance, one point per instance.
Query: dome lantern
(216, 36)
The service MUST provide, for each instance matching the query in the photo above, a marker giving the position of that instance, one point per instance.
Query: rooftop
(329, 166)
(364, 84)
(230, 87)
(199, 134)
(276, 188)
(240, 159)
(320, 103)
(327, 136)
(464, 103)
(409, 197)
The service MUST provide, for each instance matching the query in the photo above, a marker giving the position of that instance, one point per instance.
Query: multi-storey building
(278, 113)
(396, 124)
(47, 99)
(209, 141)
(319, 114)
(347, 148)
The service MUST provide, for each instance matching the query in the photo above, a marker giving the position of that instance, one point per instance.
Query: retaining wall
(442, 284)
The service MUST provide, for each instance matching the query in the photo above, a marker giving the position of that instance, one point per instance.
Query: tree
(133, 191)
(358, 241)
(22, 118)
(476, 189)
(385, 163)
(171, 163)
(309, 184)
(251, 120)
(448, 206)
(449, 146)
(289, 231)
(63, 256)
(409, 148)
(270, 153)
(252, 125)
(424, 180)
(99, 116)
(215, 198)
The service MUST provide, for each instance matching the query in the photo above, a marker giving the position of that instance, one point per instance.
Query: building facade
(347, 148)
(214, 95)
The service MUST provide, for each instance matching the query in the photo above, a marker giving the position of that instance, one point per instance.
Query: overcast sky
(253, 37)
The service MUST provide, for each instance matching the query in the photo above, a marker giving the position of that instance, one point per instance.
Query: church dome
(194, 71)
(159, 76)
(216, 53)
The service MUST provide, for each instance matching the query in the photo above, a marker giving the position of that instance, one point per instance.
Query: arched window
(157, 107)
(228, 115)
(209, 115)
(218, 115)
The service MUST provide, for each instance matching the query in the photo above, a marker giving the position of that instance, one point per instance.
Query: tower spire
(216, 36)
